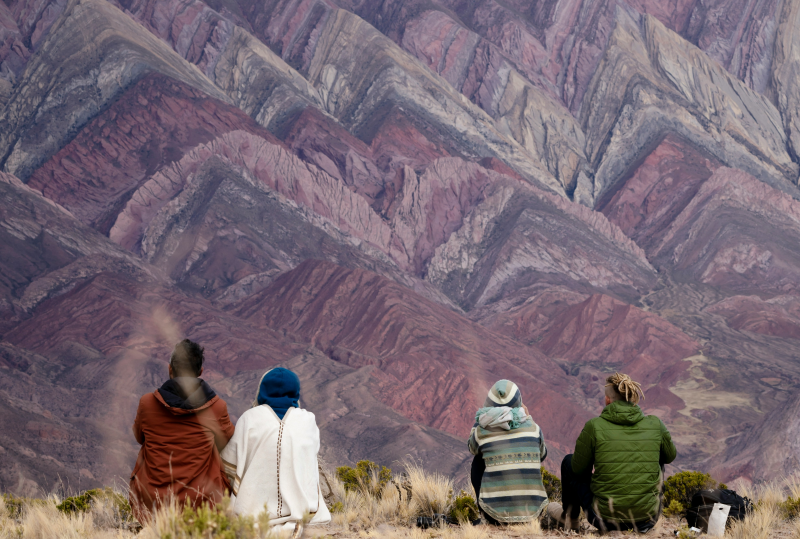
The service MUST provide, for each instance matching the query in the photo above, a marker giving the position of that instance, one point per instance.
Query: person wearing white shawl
(271, 460)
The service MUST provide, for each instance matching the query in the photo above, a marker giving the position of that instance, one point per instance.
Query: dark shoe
(437, 521)
(555, 517)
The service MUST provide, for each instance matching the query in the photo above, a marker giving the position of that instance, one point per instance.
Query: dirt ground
(665, 529)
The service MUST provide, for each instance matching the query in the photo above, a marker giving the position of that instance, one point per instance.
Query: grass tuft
(431, 492)
(760, 524)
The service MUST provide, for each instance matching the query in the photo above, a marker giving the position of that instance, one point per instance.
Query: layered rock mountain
(403, 201)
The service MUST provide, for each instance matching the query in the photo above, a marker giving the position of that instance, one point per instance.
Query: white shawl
(273, 464)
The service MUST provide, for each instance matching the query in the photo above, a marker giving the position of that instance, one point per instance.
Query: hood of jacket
(184, 395)
(622, 413)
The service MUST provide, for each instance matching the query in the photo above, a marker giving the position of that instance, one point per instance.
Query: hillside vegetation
(368, 504)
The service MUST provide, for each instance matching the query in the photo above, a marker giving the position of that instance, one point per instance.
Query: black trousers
(576, 494)
(476, 476)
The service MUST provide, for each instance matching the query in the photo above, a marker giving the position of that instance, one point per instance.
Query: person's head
(620, 387)
(280, 389)
(186, 360)
(504, 393)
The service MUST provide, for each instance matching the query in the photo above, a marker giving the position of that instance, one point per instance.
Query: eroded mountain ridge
(402, 200)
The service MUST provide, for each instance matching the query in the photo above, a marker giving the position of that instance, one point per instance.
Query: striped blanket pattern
(512, 489)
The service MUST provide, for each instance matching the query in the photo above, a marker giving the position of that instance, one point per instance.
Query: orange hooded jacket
(181, 438)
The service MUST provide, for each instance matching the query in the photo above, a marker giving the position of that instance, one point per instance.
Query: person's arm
(221, 426)
(137, 424)
(472, 444)
(583, 458)
(542, 446)
(230, 454)
(668, 451)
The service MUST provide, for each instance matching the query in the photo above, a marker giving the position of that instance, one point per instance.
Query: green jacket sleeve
(583, 458)
(668, 451)
(473, 443)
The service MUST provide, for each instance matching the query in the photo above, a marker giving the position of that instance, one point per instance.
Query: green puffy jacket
(627, 450)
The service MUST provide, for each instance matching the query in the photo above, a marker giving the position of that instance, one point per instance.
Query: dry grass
(795, 529)
(397, 504)
(793, 486)
(769, 495)
(363, 514)
(431, 493)
(44, 521)
(759, 525)
(531, 529)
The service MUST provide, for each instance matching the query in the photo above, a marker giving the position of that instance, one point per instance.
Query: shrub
(674, 508)
(205, 521)
(366, 476)
(83, 502)
(464, 508)
(791, 508)
(336, 507)
(679, 489)
(14, 506)
(174, 521)
(552, 485)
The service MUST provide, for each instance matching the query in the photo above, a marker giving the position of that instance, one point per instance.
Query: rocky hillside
(402, 200)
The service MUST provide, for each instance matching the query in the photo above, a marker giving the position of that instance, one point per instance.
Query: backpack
(703, 503)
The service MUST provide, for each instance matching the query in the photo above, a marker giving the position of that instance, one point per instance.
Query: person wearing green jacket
(628, 451)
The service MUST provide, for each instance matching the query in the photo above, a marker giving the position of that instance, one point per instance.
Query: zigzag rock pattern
(403, 201)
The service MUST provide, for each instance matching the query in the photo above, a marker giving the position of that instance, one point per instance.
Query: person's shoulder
(257, 413)
(301, 414)
(654, 422)
(593, 425)
(594, 422)
(148, 400)
(218, 402)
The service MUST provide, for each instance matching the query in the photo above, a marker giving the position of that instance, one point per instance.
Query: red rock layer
(155, 124)
(195, 30)
(658, 190)
(434, 366)
(714, 224)
(373, 170)
(771, 449)
(778, 316)
(593, 334)
(737, 233)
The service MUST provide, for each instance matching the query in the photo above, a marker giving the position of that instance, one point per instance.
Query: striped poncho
(511, 489)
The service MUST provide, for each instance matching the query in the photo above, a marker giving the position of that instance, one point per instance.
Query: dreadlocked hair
(625, 387)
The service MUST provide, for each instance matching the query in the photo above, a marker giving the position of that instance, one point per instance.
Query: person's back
(625, 446)
(182, 427)
(509, 449)
(627, 450)
(271, 460)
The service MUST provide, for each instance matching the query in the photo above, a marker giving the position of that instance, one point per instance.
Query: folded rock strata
(378, 194)
(414, 343)
(651, 84)
(68, 73)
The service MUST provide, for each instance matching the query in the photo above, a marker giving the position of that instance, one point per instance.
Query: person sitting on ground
(628, 451)
(182, 427)
(271, 461)
(509, 450)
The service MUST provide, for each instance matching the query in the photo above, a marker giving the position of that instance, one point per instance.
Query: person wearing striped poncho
(509, 450)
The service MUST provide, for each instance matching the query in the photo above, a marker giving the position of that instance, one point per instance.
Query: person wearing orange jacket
(182, 427)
